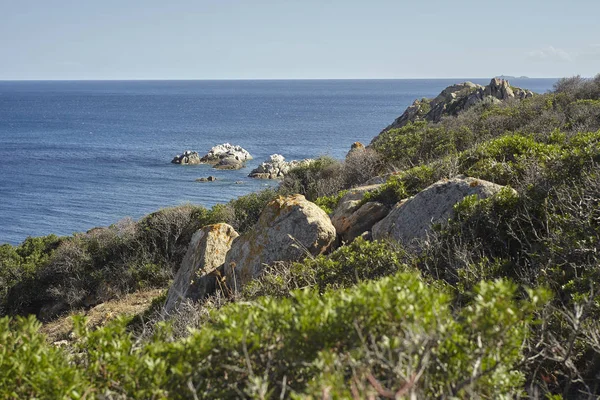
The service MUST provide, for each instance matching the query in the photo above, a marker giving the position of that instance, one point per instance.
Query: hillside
(455, 256)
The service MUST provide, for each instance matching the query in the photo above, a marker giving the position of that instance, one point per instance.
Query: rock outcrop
(232, 162)
(351, 219)
(276, 167)
(356, 147)
(207, 179)
(224, 151)
(187, 158)
(412, 218)
(289, 229)
(206, 252)
(457, 98)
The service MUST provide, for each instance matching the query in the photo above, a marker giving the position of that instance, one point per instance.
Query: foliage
(367, 339)
(327, 177)
(421, 142)
(329, 203)
(359, 322)
(21, 262)
(402, 185)
(31, 368)
(318, 178)
(348, 265)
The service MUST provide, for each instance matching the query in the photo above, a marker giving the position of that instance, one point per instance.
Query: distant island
(512, 77)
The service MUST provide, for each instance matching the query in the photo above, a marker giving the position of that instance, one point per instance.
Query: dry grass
(128, 305)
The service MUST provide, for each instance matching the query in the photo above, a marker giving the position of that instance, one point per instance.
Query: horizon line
(255, 79)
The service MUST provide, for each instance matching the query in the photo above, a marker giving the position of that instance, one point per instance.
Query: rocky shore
(275, 167)
(224, 156)
(457, 98)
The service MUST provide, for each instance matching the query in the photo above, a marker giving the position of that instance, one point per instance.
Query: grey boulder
(351, 218)
(412, 218)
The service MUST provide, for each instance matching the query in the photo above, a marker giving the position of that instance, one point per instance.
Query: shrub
(403, 185)
(543, 237)
(579, 88)
(421, 142)
(245, 210)
(359, 261)
(327, 177)
(31, 368)
(18, 263)
(320, 178)
(329, 203)
(360, 166)
(504, 160)
(393, 333)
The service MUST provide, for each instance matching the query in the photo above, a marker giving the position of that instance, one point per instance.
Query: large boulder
(289, 229)
(275, 167)
(187, 158)
(412, 218)
(351, 218)
(206, 252)
(223, 151)
(360, 221)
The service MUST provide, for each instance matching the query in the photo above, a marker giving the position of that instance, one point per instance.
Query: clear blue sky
(276, 39)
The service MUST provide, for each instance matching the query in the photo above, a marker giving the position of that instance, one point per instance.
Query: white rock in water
(226, 150)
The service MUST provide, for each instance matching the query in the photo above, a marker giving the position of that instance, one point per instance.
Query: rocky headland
(454, 257)
(457, 98)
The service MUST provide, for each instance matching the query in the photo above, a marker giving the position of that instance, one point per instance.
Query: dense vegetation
(500, 302)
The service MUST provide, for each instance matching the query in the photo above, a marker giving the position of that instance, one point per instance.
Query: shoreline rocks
(457, 98)
(207, 179)
(275, 167)
(223, 156)
(187, 158)
(230, 163)
(225, 151)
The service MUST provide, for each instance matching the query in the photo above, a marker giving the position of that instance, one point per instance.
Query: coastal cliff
(449, 258)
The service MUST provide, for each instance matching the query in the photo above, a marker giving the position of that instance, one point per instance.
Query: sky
(304, 39)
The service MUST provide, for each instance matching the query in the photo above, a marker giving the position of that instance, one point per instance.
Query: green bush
(329, 203)
(31, 368)
(19, 263)
(393, 333)
(403, 185)
(348, 265)
(245, 210)
(421, 142)
(322, 177)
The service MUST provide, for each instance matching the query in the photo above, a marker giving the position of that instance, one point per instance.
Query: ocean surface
(80, 154)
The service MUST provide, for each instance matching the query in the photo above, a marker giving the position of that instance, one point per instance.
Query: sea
(79, 154)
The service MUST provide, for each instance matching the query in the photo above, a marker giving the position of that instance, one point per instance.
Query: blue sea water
(80, 154)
